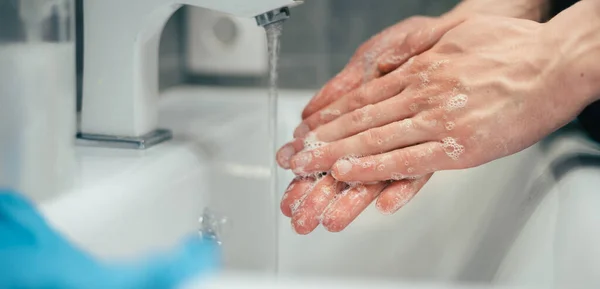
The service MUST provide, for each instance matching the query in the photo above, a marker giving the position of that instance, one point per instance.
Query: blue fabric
(33, 255)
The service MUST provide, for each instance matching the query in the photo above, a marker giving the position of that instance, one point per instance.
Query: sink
(524, 220)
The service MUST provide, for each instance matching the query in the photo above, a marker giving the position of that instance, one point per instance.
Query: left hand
(322, 200)
(33, 255)
(491, 86)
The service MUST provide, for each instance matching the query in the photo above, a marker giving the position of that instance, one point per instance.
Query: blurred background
(317, 42)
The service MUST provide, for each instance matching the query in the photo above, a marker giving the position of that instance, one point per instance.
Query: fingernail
(301, 131)
(302, 159)
(284, 156)
(343, 167)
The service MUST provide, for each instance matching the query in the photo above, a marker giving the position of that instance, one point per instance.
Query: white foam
(311, 142)
(368, 164)
(450, 125)
(405, 124)
(435, 65)
(397, 176)
(317, 153)
(330, 112)
(452, 148)
(350, 186)
(343, 166)
(457, 102)
(413, 107)
(366, 117)
(424, 78)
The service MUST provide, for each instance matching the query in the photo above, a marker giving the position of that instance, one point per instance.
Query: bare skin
(371, 77)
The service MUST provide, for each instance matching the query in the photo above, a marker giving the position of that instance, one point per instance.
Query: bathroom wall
(317, 41)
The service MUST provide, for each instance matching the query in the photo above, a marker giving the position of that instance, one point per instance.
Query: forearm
(526, 9)
(576, 32)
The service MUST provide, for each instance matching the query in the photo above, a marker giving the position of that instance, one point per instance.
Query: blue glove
(33, 255)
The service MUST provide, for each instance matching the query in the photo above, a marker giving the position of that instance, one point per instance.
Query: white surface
(37, 117)
(512, 221)
(120, 85)
(246, 281)
(206, 54)
(129, 202)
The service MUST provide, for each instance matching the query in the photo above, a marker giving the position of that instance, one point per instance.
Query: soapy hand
(406, 39)
(33, 255)
(307, 199)
(486, 90)
(310, 201)
(489, 88)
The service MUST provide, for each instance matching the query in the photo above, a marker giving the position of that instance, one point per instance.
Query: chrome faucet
(120, 78)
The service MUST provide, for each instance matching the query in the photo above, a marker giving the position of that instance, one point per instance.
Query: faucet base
(143, 142)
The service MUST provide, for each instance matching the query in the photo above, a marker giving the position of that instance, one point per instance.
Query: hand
(414, 35)
(362, 67)
(308, 200)
(322, 200)
(408, 37)
(32, 255)
(491, 86)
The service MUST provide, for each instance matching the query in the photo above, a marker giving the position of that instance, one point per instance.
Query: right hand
(312, 201)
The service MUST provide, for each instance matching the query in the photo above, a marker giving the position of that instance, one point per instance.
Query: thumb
(415, 43)
(191, 259)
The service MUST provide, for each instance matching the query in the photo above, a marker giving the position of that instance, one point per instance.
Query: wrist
(535, 10)
(576, 34)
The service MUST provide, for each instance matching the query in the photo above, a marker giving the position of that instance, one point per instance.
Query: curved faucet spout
(120, 82)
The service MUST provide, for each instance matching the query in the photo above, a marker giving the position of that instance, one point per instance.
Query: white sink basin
(528, 219)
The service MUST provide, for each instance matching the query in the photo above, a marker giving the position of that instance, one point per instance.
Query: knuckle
(372, 138)
(420, 124)
(356, 117)
(401, 158)
(414, 41)
(358, 99)
(328, 153)
(427, 124)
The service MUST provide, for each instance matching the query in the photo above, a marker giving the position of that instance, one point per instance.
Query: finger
(349, 204)
(415, 44)
(387, 111)
(362, 66)
(294, 195)
(412, 161)
(399, 193)
(287, 151)
(361, 69)
(374, 92)
(308, 215)
(374, 141)
(347, 80)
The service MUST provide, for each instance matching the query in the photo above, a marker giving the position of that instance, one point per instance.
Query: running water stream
(273, 32)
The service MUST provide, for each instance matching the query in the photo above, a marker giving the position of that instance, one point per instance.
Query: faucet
(120, 78)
